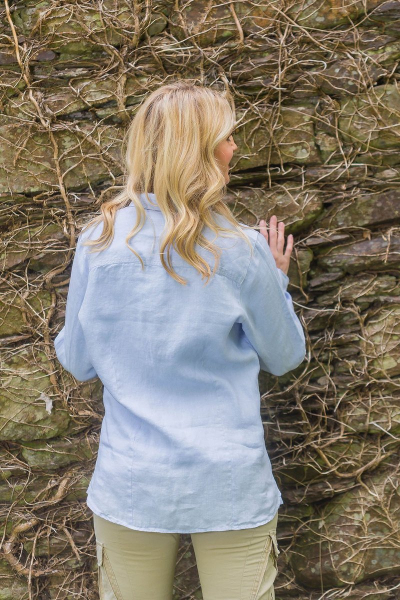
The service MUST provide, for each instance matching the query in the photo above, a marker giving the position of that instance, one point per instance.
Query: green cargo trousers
(140, 565)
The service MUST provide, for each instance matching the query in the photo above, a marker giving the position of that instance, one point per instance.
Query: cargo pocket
(264, 583)
(108, 586)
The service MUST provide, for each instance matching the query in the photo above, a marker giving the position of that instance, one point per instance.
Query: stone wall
(316, 85)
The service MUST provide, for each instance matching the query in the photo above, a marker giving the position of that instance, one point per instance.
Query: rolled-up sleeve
(69, 344)
(270, 323)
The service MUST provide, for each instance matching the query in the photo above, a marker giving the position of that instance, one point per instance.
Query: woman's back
(182, 443)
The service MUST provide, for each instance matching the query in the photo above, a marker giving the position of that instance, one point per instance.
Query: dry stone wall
(316, 86)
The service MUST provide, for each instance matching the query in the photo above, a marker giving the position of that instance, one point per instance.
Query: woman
(179, 347)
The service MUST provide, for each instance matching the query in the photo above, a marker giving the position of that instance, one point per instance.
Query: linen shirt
(182, 445)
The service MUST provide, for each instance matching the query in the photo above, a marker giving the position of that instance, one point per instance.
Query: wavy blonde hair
(170, 147)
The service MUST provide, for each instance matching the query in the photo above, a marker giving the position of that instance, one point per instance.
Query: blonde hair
(170, 152)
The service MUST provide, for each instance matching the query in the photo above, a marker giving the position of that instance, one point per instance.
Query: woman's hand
(277, 241)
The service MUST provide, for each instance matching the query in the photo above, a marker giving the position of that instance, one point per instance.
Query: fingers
(277, 236)
(272, 233)
(281, 237)
(289, 245)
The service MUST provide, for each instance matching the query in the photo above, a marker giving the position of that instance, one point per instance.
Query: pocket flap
(275, 543)
(99, 552)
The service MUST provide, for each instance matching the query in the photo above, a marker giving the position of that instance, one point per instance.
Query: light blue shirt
(182, 445)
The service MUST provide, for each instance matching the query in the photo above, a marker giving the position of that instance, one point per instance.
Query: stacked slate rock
(317, 90)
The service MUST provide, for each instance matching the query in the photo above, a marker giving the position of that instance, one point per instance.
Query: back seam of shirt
(221, 272)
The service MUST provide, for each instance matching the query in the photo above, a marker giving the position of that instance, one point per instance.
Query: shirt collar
(146, 203)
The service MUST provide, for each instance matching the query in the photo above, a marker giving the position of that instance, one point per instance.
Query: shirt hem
(117, 521)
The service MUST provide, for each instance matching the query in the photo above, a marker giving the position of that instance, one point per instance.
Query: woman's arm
(270, 323)
(70, 344)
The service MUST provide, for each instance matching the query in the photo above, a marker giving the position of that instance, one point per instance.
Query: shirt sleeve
(70, 344)
(270, 324)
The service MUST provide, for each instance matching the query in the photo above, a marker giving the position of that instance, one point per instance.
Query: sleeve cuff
(284, 279)
(60, 347)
